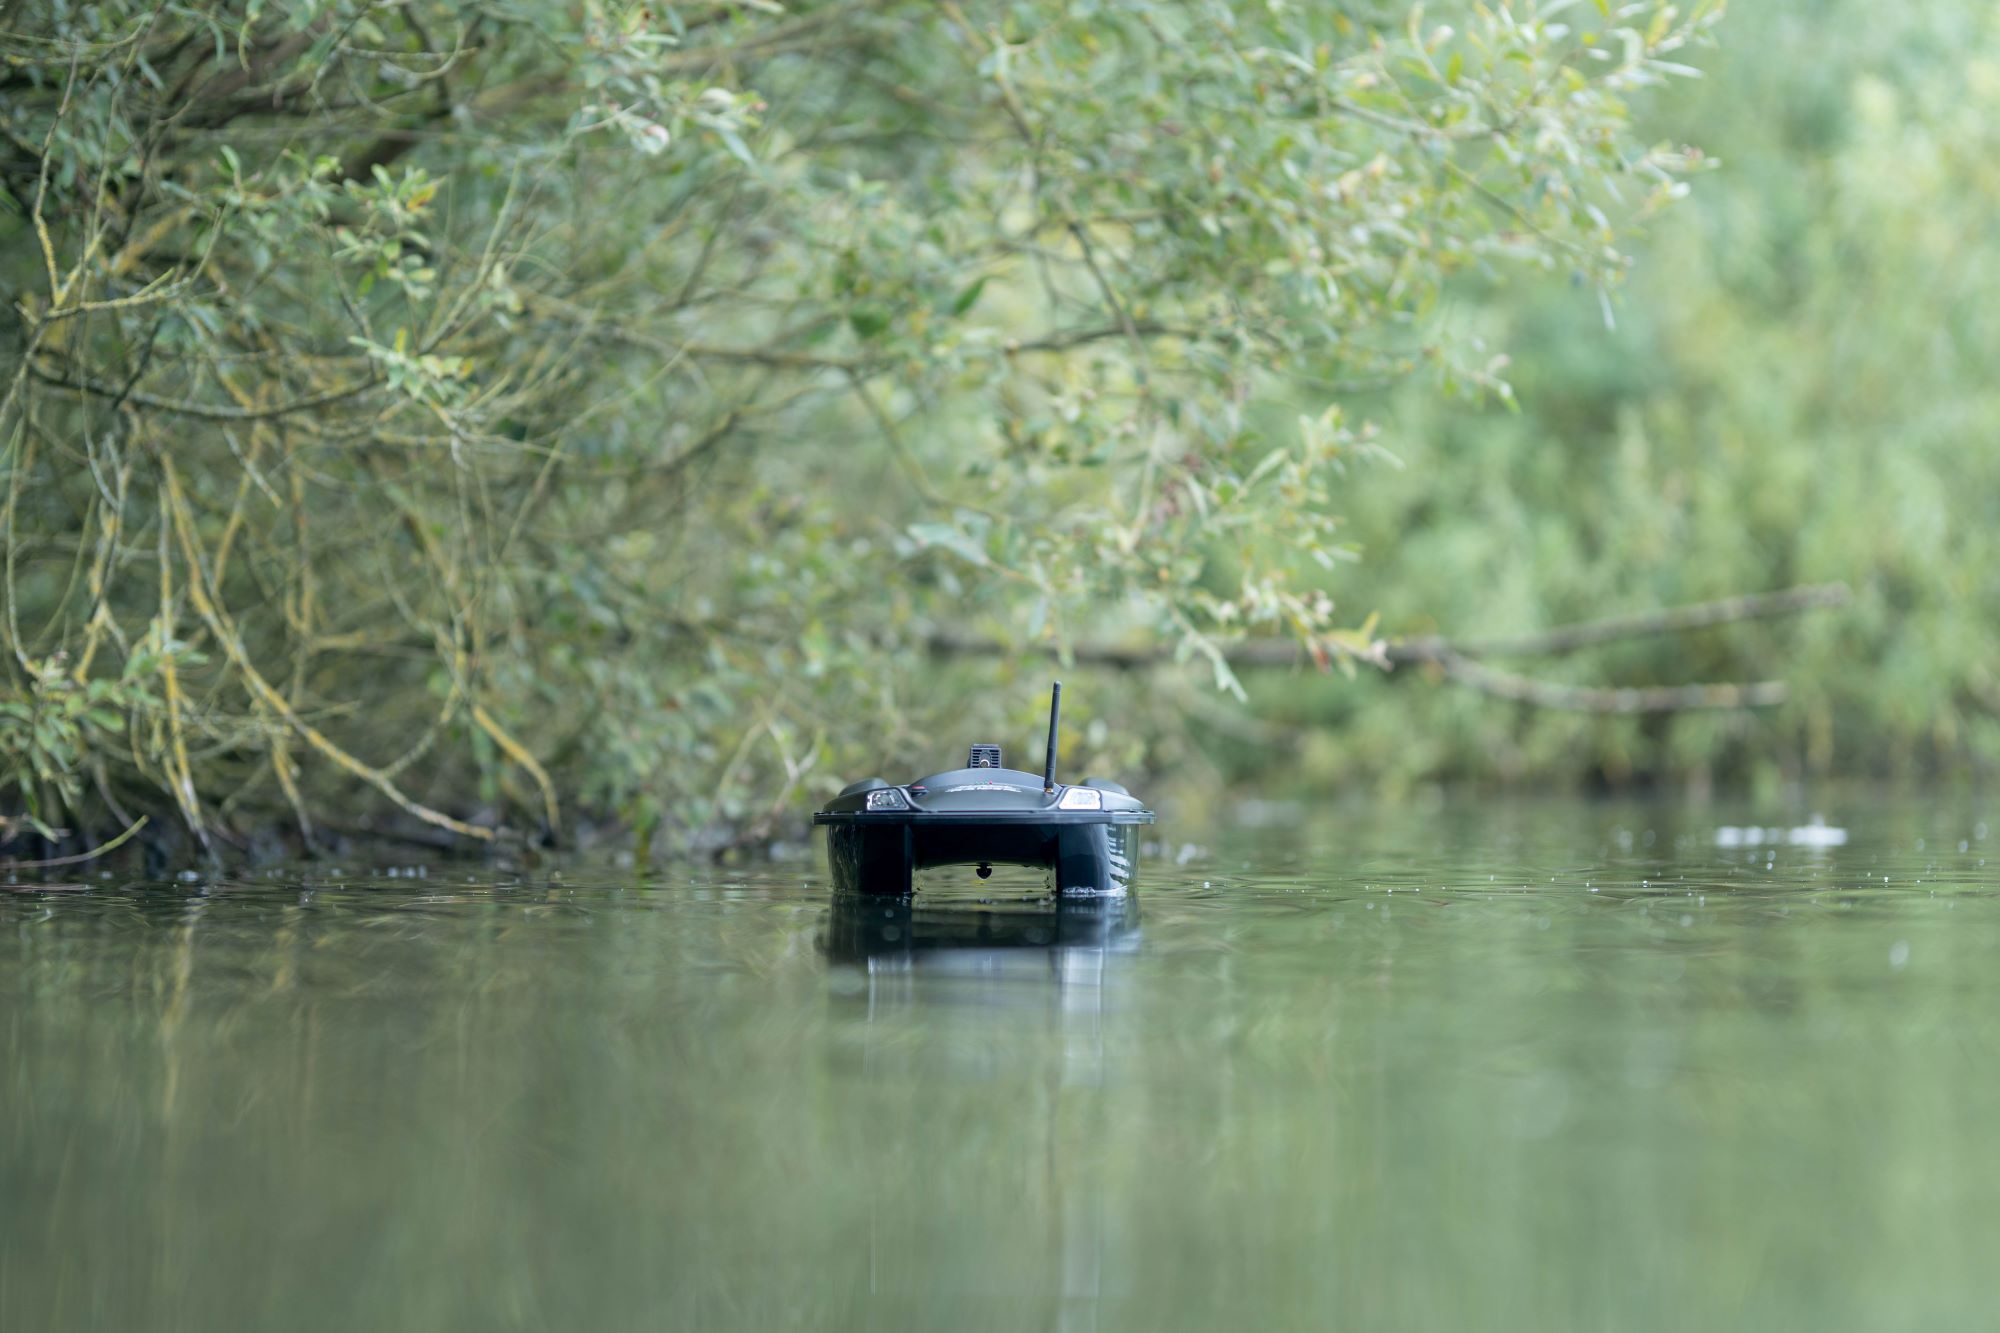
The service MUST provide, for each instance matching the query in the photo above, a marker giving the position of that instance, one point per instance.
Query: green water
(1554, 1067)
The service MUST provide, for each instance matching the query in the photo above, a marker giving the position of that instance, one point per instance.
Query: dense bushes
(1797, 391)
(489, 411)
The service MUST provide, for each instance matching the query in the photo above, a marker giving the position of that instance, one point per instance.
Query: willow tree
(491, 407)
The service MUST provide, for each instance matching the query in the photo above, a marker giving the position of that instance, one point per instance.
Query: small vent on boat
(984, 756)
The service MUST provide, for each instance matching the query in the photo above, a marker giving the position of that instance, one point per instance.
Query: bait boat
(1086, 836)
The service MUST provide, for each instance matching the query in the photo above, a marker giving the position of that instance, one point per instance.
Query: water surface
(1548, 1067)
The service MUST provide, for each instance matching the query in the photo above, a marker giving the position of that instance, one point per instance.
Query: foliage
(512, 406)
(1796, 392)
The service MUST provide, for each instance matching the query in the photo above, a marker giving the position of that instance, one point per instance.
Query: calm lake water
(1547, 1067)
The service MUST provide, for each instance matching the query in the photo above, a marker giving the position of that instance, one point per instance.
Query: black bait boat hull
(1085, 835)
(882, 857)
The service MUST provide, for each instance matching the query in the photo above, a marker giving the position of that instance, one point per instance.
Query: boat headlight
(1081, 798)
(888, 798)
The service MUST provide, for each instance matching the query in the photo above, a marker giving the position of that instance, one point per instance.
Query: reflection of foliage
(527, 403)
(1799, 391)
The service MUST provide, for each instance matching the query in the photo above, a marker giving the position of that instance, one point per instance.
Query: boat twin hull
(883, 857)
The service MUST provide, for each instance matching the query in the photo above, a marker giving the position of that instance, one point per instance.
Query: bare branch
(209, 411)
(1456, 660)
(81, 857)
(1588, 699)
(1565, 639)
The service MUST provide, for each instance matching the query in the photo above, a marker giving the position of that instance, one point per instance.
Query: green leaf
(969, 297)
(868, 320)
(947, 537)
(734, 143)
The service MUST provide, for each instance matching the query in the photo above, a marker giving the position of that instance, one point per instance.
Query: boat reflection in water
(986, 1032)
(1065, 937)
(955, 945)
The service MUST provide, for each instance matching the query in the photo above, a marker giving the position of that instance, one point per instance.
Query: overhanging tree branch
(1457, 660)
(1565, 639)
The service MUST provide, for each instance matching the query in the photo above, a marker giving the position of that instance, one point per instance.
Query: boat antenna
(1055, 716)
